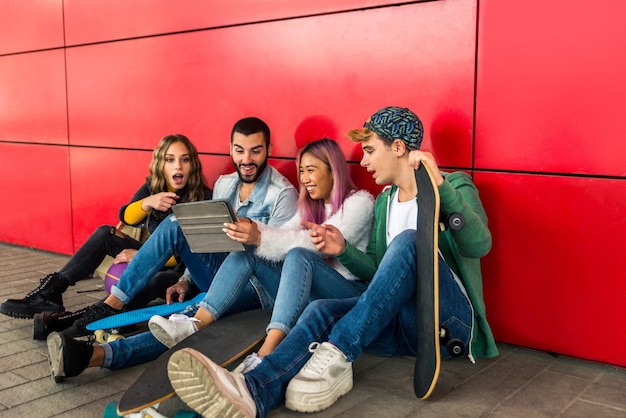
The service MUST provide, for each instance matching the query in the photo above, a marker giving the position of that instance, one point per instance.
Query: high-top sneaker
(67, 357)
(47, 297)
(46, 322)
(92, 313)
(321, 381)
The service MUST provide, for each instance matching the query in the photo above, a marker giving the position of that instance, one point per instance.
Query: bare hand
(416, 157)
(176, 292)
(125, 256)
(161, 201)
(326, 238)
(244, 230)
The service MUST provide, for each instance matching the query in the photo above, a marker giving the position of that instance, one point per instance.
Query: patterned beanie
(397, 123)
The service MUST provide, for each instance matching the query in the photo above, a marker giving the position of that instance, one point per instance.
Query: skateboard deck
(141, 315)
(224, 342)
(428, 360)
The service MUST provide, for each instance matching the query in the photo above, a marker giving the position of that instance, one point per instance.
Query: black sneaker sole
(42, 326)
(28, 312)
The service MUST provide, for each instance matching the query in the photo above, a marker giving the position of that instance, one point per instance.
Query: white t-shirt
(401, 216)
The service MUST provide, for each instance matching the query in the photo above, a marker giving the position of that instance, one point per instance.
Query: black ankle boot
(48, 296)
(46, 322)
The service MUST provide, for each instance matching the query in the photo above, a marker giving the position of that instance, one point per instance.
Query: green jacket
(461, 249)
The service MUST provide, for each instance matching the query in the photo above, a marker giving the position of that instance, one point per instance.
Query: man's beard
(259, 170)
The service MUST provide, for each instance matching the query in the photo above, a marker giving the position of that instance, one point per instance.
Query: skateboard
(225, 341)
(430, 334)
(428, 361)
(111, 328)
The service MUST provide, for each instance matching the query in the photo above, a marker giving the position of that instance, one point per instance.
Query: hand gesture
(244, 230)
(177, 292)
(161, 201)
(125, 256)
(326, 238)
(416, 157)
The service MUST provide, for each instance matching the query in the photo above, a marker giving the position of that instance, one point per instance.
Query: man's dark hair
(249, 126)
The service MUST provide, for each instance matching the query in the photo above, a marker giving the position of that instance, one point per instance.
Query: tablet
(202, 223)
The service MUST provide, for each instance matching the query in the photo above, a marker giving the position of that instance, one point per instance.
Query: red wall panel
(39, 208)
(28, 25)
(286, 72)
(554, 278)
(548, 97)
(102, 181)
(551, 86)
(90, 21)
(32, 97)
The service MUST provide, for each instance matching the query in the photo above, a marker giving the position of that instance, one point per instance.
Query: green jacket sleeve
(458, 194)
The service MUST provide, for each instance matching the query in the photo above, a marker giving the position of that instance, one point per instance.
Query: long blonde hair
(197, 182)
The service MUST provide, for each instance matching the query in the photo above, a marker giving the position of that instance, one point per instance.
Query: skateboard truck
(454, 221)
(455, 347)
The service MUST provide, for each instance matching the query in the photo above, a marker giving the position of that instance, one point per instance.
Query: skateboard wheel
(443, 334)
(187, 414)
(114, 337)
(455, 221)
(110, 411)
(100, 335)
(455, 347)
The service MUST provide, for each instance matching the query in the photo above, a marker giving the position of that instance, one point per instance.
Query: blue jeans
(143, 347)
(381, 321)
(166, 240)
(303, 276)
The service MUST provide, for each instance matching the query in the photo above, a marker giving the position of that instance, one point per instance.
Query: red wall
(527, 96)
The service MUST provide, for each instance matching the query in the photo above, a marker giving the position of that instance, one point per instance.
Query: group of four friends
(337, 268)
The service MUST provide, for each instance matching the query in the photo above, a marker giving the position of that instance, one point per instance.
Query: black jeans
(102, 242)
(105, 241)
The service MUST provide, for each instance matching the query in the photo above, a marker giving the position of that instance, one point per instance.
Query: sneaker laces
(93, 313)
(322, 356)
(180, 318)
(251, 360)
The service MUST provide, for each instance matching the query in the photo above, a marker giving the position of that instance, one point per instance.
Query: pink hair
(327, 151)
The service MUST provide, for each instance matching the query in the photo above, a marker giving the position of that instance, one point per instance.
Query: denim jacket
(273, 201)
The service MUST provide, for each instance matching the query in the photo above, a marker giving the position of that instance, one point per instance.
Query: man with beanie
(383, 320)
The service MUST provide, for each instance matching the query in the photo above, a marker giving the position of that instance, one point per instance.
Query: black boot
(46, 322)
(67, 357)
(48, 296)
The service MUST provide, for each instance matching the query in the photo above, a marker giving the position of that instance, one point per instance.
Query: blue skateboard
(109, 329)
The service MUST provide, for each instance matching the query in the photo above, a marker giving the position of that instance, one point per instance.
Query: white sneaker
(248, 364)
(324, 378)
(209, 389)
(173, 330)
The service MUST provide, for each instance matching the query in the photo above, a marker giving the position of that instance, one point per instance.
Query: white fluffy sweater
(354, 219)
